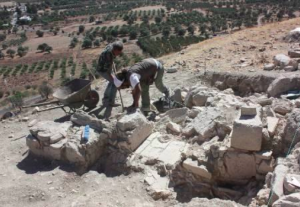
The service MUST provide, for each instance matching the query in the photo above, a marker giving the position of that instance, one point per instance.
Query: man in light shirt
(139, 77)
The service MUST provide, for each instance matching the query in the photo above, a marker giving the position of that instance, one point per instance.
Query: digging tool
(115, 72)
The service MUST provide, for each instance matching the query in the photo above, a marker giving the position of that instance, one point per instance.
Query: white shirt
(134, 79)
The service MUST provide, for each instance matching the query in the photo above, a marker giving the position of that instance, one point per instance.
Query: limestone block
(248, 111)
(247, 134)
(155, 150)
(239, 166)
(266, 166)
(288, 187)
(272, 125)
(158, 186)
(277, 182)
(193, 167)
(133, 129)
(174, 128)
(292, 200)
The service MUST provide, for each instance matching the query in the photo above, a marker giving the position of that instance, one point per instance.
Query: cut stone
(266, 166)
(169, 153)
(248, 111)
(133, 129)
(193, 167)
(272, 125)
(239, 166)
(277, 182)
(247, 134)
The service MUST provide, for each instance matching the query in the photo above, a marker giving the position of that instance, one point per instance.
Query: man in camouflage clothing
(105, 69)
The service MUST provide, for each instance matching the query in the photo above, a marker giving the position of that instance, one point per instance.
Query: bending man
(140, 76)
(105, 69)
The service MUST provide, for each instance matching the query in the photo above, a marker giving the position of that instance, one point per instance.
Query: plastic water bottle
(86, 133)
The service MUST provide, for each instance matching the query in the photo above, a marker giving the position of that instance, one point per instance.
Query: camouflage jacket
(105, 62)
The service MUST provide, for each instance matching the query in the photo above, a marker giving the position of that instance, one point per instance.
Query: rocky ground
(235, 138)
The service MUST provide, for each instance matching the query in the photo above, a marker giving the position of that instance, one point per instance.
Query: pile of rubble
(219, 145)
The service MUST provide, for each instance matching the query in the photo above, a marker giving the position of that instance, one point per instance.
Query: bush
(27, 87)
(2, 37)
(11, 53)
(17, 100)
(1, 94)
(45, 90)
(81, 29)
(39, 33)
(97, 43)
(133, 35)
(87, 43)
(45, 48)
(4, 46)
(22, 51)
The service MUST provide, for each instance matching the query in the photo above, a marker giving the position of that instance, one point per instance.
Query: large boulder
(293, 36)
(282, 106)
(282, 61)
(291, 130)
(282, 85)
(132, 130)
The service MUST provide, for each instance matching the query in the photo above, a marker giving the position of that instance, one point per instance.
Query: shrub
(97, 43)
(81, 29)
(45, 48)
(22, 51)
(45, 90)
(2, 37)
(17, 100)
(1, 94)
(11, 53)
(27, 87)
(87, 43)
(39, 33)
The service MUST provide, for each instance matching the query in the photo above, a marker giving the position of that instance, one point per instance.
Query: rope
(287, 154)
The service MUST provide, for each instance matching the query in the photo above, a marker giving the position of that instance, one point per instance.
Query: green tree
(2, 55)
(2, 37)
(133, 35)
(87, 43)
(91, 19)
(22, 51)
(11, 53)
(166, 32)
(158, 19)
(44, 48)
(191, 29)
(17, 100)
(97, 43)
(81, 29)
(40, 33)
